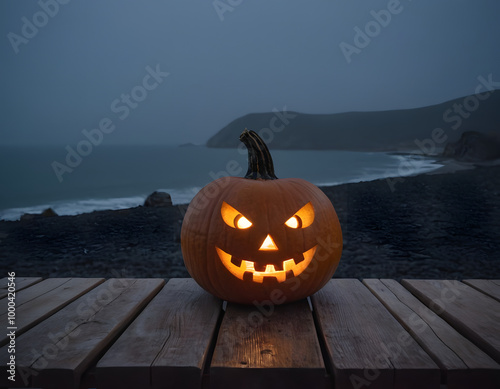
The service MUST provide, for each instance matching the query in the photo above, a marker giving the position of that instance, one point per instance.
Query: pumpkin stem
(260, 162)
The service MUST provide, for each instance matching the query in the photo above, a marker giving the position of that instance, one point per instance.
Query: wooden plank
(489, 287)
(49, 286)
(472, 313)
(21, 283)
(365, 344)
(168, 343)
(58, 350)
(268, 346)
(36, 303)
(463, 364)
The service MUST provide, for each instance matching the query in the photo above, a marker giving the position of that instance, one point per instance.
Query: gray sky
(227, 60)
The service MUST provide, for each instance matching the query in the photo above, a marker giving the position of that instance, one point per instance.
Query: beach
(441, 225)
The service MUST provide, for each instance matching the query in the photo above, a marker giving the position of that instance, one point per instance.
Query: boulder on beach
(158, 199)
(49, 212)
(474, 146)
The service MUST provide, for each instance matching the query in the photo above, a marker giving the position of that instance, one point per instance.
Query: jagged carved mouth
(247, 268)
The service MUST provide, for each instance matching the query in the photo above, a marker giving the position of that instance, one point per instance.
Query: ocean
(115, 177)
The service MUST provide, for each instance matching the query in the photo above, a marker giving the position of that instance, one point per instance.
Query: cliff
(366, 131)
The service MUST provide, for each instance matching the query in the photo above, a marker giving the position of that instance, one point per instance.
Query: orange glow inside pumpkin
(258, 276)
(233, 218)
(303, 218)
(268, 244)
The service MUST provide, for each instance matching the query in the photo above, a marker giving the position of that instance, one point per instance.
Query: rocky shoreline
(426, 226)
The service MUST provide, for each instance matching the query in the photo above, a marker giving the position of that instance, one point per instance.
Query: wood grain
(365, 344)
(268, 347)
(472, 313)
(38, 302)
(168, 343)
(463, 365)
(489, 287)
(58, 350)
(21, 283)
(378, 335)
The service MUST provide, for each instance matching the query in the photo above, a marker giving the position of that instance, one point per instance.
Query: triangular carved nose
(268, 244)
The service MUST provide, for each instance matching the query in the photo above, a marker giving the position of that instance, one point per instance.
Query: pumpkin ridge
(268, 202)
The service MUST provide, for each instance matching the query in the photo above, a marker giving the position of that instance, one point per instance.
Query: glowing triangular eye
(294, 222)
(242, 222)
(303, 218)
(233, 218)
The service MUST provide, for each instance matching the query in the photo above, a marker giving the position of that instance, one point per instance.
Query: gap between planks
(365, 344)
(69, 342)
(168, 342)
(39, 301)
(463, 365)
(20, 284)
(472, 313)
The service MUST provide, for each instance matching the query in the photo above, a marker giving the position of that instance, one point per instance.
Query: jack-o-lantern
(260, 238)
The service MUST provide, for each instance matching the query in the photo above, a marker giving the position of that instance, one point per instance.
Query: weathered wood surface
(472, 313)
(489, 287)
(366, 344)
(133, 333)
(463, 365)
(56, 352)
(44, 298)
(168, 343)
(21, 283)
(268, 347)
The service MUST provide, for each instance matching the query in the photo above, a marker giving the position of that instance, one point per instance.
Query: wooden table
(142, 333)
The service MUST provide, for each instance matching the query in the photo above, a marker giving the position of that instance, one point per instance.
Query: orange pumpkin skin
(267, 204)
(259, 238)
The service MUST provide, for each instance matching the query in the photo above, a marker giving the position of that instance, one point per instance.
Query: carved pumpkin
(259, 238)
